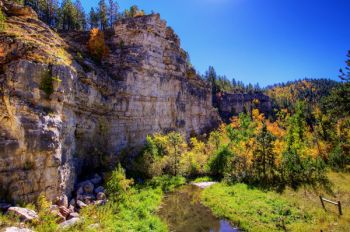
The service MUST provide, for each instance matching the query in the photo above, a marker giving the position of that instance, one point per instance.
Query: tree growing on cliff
(102, 13)
(96, 45)
(112, 12)
(81, 16)
(93, 18)
(2, 21)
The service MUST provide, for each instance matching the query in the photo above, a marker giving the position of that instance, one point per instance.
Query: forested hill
(285, 95)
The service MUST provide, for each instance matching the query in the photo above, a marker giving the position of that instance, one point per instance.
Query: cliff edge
(62, 115)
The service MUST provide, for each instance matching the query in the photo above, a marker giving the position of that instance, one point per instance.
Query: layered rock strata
(61, 117)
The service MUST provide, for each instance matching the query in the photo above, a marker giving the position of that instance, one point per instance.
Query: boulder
(81, 204)
(88, 187)
(71, 208)
(64, 211)
(16, 229)
(99, 189)
(69, 223)
(13, 9)
(96, 180)
(4, 207)
(101, 196)
(62, 200)
(55, 210)
(99, 202)
(73, 215)
(23, 213)
(72, 203)
(80, 191)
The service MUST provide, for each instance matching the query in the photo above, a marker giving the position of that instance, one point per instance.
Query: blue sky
(265, 41)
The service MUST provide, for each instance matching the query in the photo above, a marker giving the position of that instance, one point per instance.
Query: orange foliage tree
(96, 45)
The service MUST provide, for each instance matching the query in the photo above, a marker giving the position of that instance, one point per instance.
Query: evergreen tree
(112, 12)
(81, 17)
(345, 75)
(264, 156)
(68, 15)
(93, 18)
(102, 13)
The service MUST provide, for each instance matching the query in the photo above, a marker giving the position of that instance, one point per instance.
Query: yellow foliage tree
(96, 45)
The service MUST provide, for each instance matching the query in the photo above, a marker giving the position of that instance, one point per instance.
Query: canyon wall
(232, 104)
(62, 115)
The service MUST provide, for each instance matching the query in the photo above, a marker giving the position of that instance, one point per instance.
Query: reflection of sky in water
(225, 226)
(182, 211)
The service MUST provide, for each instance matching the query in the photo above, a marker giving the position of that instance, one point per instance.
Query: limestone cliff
(62, 115)
(232, 104)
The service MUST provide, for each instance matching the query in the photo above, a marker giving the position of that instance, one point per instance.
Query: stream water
(183, 212)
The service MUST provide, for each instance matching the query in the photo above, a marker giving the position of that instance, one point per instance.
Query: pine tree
(68, 15)
(93, 18)
(112, 12)
(81, 17)
(102, 13)
(345, 75)
(264, 156)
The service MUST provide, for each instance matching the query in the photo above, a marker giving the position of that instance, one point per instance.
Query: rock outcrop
(230, 104)
(62, 116)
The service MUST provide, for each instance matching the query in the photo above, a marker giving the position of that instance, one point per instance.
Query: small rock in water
(23, 213)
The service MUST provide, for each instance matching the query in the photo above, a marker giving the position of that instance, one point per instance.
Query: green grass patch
(256, 210)
(137, 212)
(203, 179)
(252, 209)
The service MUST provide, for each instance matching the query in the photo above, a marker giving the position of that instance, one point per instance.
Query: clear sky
(265, 41)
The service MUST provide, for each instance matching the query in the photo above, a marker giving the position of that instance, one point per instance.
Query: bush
(118, 185)
(218, 164)
(2, 21)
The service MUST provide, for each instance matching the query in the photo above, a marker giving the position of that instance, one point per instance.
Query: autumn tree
(96, 45)
(175, 149)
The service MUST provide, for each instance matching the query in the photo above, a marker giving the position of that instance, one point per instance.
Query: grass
(137, 212)
(256, 210)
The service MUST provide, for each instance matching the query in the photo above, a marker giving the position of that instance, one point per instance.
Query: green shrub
(218, 164)
(2, 21)
(47, 83)
(118, 185)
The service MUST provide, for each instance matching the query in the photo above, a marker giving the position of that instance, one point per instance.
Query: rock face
(60, 115)
(230, 104)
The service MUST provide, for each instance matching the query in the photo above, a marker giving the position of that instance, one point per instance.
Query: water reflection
(183, 212)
